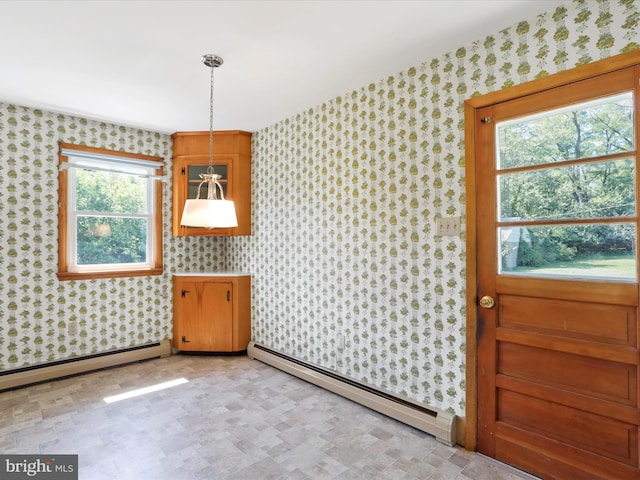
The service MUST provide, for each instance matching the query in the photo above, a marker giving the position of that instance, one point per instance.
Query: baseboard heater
(73, 366)
(437, 423)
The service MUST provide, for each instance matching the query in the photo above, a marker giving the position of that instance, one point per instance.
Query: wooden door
(204, 317)
(558, 337)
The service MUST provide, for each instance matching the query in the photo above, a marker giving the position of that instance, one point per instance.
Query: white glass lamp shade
(209, 214)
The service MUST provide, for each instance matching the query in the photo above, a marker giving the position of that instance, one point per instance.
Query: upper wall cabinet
(231, 160)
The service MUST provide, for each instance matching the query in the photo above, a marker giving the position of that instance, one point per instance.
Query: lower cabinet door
(203, 319)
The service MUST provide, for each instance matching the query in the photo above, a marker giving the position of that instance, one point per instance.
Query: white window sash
(113, 164)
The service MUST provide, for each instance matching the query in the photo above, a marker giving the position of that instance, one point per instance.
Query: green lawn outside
(598, 267)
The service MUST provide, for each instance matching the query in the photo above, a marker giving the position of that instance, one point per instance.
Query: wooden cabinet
(211, 313)
(231, 159)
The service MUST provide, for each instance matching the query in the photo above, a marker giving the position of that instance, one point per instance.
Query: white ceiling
(137, 63)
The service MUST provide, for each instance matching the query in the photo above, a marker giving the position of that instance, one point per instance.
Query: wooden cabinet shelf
(231, 160)
(211, 313)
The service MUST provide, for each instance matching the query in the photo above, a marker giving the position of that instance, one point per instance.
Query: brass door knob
(487, 302)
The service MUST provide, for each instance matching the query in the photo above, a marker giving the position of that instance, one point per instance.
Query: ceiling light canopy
(214, 211)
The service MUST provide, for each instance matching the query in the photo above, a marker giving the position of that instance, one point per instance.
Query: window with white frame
(110, 218)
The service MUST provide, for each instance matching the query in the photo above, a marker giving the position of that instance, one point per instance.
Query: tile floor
(236, 418)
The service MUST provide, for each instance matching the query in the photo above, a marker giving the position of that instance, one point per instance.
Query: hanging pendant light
(214, 211)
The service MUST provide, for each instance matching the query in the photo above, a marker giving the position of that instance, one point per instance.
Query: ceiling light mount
(211, 60)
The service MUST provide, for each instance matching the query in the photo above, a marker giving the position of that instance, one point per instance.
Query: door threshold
(504, 466)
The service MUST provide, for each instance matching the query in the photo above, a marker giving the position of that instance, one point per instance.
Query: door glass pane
(588, 251)
(588, 130)
(589, 190)
(194, 172)
(538, 195)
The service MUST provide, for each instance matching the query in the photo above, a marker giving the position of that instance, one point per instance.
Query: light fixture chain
(212, 212)
(210, 169)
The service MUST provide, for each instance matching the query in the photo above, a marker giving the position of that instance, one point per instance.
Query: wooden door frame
(468, 427)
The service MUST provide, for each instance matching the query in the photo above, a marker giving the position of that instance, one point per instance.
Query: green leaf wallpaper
(36, 310)
(345, 197)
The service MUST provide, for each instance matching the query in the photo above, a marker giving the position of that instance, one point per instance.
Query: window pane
(109, 240)
(98, 191)
(593, 190)
(585, 131)
(596, 250)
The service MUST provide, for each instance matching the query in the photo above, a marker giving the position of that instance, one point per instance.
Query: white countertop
(211, 274)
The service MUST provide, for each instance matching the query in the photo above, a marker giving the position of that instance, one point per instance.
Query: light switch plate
(447, 226)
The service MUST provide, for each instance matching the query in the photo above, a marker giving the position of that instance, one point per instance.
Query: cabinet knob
(228, 295)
